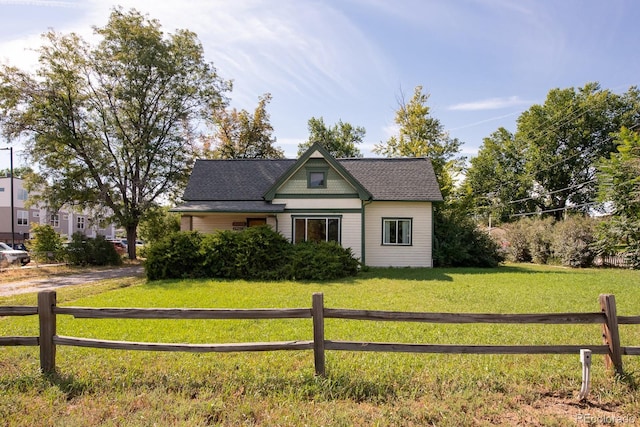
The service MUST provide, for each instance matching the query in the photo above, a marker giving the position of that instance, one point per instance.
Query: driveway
(37, 285)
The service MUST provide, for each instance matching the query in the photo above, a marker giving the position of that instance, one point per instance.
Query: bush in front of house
(84, 250)
(256, 253)
(263, 254)
(323, 261)
(176, 256)
(460, 243)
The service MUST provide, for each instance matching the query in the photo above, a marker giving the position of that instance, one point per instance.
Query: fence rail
(47, 311)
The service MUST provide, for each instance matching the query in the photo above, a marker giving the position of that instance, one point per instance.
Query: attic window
(317, 179)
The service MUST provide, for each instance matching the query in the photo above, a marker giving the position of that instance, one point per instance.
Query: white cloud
(490, 104)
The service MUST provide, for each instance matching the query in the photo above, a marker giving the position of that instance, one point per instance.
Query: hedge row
(256, 253)
(571, 242)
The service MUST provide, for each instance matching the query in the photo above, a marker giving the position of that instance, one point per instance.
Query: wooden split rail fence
(47, 311)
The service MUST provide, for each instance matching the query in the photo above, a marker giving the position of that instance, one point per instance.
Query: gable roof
(396, 179)
(315, 147)
(233, 179)
(249, 184)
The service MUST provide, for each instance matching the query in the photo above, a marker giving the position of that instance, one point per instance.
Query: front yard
(109, 387)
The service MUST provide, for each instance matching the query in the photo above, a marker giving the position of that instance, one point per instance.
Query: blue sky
(483, 62)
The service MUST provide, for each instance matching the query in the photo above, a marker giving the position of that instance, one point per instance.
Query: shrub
(459, 243)
(539, 235)
(263, 254)
(258, 253)
(218, 253)
(176, 256)
(518, 237)
(573, 241)
(323, 261)
(88, 251)
(46, 244)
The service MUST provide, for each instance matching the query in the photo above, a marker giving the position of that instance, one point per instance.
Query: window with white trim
(80, 223)
(22, 194)
(23, 217)
(316, 229)
(54, 220)
(396, 231)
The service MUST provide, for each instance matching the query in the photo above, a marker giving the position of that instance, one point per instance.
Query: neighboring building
(381, 208)
(65, 221)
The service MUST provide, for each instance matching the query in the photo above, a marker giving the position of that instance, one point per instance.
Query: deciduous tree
(108, 124)
(242, 135)
(421, 135)
(497, 176)
(564, 138)
(340, 140)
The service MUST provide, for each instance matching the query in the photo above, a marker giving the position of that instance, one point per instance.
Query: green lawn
(109, 387)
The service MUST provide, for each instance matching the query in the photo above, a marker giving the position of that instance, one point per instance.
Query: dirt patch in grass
(565, 409)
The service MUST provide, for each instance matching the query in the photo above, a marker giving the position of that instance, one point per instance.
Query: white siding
(351, 227)
(214, 222)
(418, 254)
(313, 203)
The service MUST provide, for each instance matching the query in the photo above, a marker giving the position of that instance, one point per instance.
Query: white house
(380, 208)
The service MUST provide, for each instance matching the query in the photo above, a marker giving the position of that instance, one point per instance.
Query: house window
(1, 189)
(315, 229)
(54, 220)
(36, 214)
(23, 218)
(317, 179)
(22, 194)
(396, 231)
(80, 223)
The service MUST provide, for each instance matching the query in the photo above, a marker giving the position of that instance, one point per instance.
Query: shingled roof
(399, 179)
(403, 179)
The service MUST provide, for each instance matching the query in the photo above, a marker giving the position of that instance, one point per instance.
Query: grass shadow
(67, 384)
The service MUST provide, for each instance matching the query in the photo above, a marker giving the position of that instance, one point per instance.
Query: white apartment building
(65, 222)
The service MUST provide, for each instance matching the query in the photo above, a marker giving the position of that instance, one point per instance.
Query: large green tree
(619, 186)
(422, 135)
(497, 176)
(564, 137)
(242, 135)
(457, 239)
(109, 124)
(340, 140)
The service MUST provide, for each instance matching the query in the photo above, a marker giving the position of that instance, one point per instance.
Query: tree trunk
(132, 236)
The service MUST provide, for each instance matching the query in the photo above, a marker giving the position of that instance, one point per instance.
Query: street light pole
(13, 219)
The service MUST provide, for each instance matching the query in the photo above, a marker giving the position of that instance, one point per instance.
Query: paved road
(36, 285)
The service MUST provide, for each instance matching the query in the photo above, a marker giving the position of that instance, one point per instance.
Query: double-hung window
(80, 223)
(23, 218)
(316, 229)
(396, 231)
(54, 220)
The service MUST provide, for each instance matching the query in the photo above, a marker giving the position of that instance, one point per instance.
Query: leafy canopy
(421, 135)
(110, 125)
(242, 135)
(339, 140)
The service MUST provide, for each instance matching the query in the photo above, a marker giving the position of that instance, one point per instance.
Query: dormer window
(317, 179)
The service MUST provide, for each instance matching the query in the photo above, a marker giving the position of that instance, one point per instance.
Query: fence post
(611, 333)
(47, 317)
(317, 312)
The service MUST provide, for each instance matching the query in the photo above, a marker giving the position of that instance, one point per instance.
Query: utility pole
(13, 214)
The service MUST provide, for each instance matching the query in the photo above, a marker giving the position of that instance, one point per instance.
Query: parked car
(14, 256)
(18, 246)
(119, 247)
